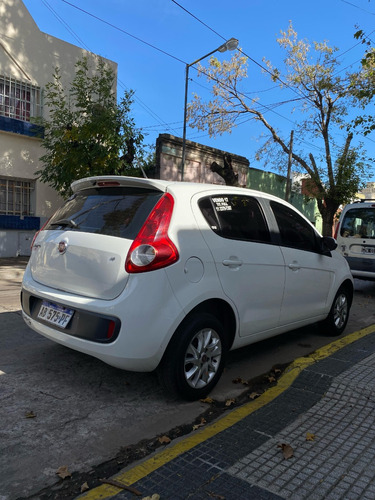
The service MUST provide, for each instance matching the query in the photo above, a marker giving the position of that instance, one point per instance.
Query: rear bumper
(145, 321)
(84, 324)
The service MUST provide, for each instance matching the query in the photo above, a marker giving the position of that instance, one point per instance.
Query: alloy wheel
(202, 358)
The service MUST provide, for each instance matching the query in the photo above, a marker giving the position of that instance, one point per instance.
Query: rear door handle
(232, 262)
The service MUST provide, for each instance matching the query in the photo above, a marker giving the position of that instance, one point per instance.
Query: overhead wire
(266, 69)
(151, 45)
(83, 44)
(66, 25)
(167, 53)
(123, 31)
(357, 7)
(268, 108)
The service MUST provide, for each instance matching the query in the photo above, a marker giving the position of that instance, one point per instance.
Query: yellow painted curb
(142, 470)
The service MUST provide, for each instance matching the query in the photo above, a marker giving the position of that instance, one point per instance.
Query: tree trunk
(226, 172)
(327, 209)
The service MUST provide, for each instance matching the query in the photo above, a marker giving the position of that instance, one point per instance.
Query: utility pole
(288, 186)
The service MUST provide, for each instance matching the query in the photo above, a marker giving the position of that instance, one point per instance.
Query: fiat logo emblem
(62, 246)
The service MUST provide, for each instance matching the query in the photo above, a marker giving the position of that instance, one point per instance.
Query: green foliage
(87, 133)
(363, 85)
(324, 97)
(350, 170)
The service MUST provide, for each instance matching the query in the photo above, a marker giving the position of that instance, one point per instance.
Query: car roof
(166, 186)
(360, 204)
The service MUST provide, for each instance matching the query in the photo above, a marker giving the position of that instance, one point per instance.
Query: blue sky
(152, 40)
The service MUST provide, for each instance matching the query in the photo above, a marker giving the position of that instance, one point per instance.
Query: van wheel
(339, 314)
(195, 357)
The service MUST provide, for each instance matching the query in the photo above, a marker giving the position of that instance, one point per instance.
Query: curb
(140, 471)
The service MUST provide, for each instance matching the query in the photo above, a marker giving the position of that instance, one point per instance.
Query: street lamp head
(230, 44)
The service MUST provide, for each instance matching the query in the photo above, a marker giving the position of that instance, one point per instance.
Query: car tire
(195, 357)
(339, 314)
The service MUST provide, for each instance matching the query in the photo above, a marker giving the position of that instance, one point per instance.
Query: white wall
(29, 55)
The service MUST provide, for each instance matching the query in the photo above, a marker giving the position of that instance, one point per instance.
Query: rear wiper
(65, 223)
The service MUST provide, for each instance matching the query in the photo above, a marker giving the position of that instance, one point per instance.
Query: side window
(235, 217)
(294, 230)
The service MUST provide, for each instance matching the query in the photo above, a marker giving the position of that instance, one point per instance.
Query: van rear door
(356, 238)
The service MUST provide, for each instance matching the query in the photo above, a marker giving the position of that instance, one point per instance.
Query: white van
(355, 235)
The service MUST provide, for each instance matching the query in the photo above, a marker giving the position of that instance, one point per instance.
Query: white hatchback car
(147, 274)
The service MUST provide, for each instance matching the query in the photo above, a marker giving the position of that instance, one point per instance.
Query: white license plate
(55, 314)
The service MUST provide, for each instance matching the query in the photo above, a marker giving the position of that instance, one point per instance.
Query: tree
(322, 94)
(226, 171)
(363, 84)
(87, 133)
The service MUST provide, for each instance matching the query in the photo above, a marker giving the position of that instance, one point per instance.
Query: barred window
(15, 196)
(19, 100)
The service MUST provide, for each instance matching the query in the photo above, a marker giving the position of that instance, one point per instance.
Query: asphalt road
(59, 407)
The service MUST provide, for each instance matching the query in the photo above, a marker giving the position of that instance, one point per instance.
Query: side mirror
(328, 244)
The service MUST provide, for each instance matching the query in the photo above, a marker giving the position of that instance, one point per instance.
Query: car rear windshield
(114, 211)
(359, 222)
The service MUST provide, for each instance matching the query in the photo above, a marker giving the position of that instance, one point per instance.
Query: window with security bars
(15, 197)
(19, 100)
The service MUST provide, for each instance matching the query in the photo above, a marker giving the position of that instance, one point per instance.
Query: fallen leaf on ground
(287, 450)
(84, 487)
(207, 400)
(230, 402)
(240, 380)
(215, 495)
(271, 379)
(164, 440)
(196, 426)
(310, 436)
(30, 414)
(254, 395)
(155, 496)
(63, 472)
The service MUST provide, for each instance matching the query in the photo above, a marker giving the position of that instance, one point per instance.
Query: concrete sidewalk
(322, 412)
(11, 273)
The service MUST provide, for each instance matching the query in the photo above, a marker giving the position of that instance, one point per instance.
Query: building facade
(368, 192)
(197, 164)
(199, 159)
(28, 59)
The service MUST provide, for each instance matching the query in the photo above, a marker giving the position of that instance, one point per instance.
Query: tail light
(152, 248)
(36, 234)
(336, 230)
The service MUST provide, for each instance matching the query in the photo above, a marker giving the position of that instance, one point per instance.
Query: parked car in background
(147, 274)
(355, 235)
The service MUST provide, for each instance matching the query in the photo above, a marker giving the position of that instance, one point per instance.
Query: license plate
(368, 250)
(55, 314)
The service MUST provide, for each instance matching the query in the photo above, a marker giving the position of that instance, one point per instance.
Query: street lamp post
(230, 44)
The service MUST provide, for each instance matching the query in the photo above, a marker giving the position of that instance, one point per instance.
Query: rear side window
(294, 231)
(235, 217)
(358, 222)
(114, 211)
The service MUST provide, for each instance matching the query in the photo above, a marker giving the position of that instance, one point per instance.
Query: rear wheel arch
(223, 312)
(199, 345)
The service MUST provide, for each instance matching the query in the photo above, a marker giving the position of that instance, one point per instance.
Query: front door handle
(232, 262)
(294, 266)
